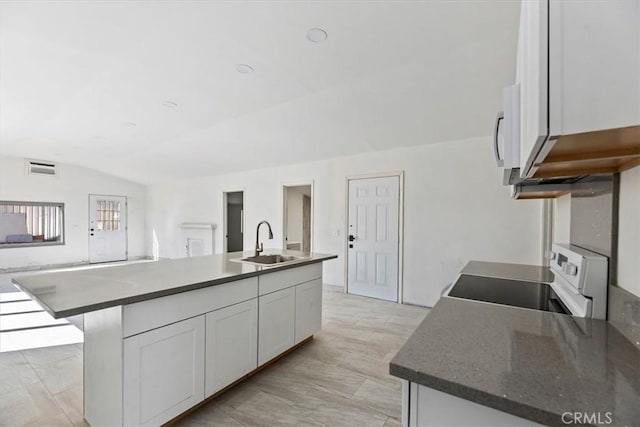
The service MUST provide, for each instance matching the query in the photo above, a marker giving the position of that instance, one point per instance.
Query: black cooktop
(517, 293)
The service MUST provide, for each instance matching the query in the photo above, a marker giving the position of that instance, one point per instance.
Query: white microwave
(506, 136)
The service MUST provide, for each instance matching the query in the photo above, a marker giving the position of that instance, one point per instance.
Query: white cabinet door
(594, 71)
(308, 309)
(276, 325)
(231, 344)
(533, 78)
(163, 372)
(576, 74)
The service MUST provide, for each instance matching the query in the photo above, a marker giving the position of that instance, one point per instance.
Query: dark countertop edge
(46, 308)
(500, 403)
(172, 291)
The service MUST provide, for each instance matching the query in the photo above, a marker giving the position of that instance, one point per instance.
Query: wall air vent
(39, 167)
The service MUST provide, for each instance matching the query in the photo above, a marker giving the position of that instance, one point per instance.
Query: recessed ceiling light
(130, 124)
(244, 69)
(169, 104)
(316, 35)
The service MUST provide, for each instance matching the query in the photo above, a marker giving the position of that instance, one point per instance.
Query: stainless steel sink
(269, 259)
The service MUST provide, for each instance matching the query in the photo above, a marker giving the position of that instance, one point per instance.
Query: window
(108, 212)
(31, 224)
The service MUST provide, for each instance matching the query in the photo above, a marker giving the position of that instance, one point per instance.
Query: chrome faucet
(259, 246)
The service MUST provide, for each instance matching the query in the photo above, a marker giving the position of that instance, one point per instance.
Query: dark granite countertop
(69, 293)
(532, 364)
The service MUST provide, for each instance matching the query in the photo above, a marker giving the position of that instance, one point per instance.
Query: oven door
(556, 305)
(575, 303)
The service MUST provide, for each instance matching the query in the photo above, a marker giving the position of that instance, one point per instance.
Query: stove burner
(579, 287)
(516, 293)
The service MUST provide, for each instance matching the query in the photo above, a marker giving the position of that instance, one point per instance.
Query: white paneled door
(107, 228)
(373, 237)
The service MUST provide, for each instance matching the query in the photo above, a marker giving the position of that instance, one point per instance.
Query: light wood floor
(339, 379)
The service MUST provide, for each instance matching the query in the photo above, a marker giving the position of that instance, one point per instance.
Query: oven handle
(556, 305)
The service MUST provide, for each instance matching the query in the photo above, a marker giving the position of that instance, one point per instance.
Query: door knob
(351, 237)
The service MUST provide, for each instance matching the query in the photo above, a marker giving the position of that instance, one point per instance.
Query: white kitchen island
(162, 337)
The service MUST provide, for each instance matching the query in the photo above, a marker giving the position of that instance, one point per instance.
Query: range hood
(566, 163)
(555, 187)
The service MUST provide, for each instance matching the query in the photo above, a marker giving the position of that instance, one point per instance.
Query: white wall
(72, 187)
(562, 219)
(455, 210)
(629, 231)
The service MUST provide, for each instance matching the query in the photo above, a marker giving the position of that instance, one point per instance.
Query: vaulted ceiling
(95, 82)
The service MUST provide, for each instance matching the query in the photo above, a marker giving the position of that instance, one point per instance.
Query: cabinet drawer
(146, 315)
(272, 282)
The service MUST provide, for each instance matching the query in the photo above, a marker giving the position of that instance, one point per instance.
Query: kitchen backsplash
(594, 218)
(594, 226)
(624, 313)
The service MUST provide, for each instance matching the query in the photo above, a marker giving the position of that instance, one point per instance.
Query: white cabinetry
(283, 279)
(281, 323)
(532, 74)
(231, 344)
(145, 315)
(579, 73)
(423, 407)
(276, 330)
(308, 309)
(163, 372)
(147, 362)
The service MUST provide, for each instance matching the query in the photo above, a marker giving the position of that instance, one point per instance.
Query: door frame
(126, 227)
(283, 206)
(224, 214)
(400, 175)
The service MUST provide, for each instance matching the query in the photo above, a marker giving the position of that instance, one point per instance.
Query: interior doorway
(234, 221)
(298, 217)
